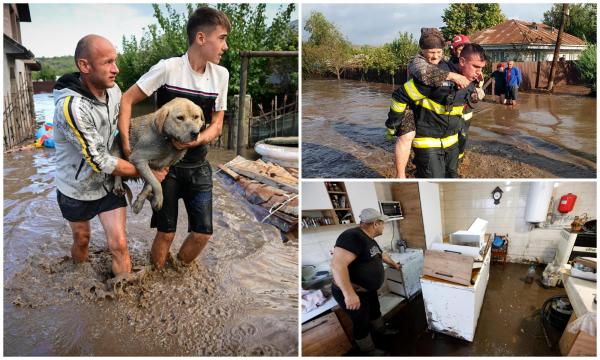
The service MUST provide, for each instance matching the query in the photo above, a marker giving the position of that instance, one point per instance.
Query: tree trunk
(563, 18)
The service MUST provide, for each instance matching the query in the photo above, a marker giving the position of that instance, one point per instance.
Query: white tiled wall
(463, 202)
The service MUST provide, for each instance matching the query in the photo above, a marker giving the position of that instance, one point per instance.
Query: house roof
(523, 32)
(16, 50)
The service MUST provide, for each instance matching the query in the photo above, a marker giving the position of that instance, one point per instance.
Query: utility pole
(563, 19)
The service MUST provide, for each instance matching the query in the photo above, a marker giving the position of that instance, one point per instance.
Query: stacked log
(271, 189)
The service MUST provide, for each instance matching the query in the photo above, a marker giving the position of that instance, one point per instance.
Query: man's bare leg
(160, 248)
(402, 152)
(193, 246)
(81, 240)
(113, 222)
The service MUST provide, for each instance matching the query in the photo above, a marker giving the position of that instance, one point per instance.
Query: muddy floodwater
(238, 298)
(544, 136)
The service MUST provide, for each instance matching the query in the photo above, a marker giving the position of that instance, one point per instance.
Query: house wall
(463, 202)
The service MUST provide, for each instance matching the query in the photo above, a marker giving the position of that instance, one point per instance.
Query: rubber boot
(379, 326)
(367, 347)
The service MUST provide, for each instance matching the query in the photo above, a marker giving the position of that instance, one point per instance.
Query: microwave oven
(392, 209)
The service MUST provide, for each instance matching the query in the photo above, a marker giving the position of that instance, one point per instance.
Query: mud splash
(239, 298)
(544, 136)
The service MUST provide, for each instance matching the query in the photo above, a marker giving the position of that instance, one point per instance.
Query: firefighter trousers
(437, 162)
(462, 138)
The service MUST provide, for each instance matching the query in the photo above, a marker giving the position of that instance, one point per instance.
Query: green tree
(581, 21)
(404, 47)
(326, 49)
(249, 32)
(48, 73)
(385, 60)
(469, 18)
(587, 66)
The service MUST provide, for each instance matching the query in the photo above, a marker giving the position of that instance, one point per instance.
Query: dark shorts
(194, 186)
(499, 90)
(408, 123)
(79, 210)
(512, 92)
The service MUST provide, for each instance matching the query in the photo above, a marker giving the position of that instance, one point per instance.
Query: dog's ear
(161, 116)
(202, 117)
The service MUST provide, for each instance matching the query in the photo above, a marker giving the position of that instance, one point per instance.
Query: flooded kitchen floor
(238, 298)
(544, 136)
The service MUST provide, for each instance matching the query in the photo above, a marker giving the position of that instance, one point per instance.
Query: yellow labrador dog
(151, 148)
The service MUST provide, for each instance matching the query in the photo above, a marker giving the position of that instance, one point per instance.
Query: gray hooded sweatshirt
(84, 130)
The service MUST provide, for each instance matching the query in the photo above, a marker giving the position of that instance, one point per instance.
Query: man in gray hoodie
(87, 109)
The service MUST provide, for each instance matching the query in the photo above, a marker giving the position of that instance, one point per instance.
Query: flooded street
(238, 298)
(544, 136)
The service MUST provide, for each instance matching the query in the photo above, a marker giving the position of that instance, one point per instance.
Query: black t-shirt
(367, 269)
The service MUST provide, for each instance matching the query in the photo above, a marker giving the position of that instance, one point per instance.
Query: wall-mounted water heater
(538, 201)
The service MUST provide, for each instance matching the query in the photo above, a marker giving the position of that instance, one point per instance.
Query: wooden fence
(535, 74)
(19, 115)
(282, 120)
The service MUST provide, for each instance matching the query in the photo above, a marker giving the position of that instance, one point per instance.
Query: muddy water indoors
(343, 124)
(238, 298)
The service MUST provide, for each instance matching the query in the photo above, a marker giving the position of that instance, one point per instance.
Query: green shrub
(587, 66)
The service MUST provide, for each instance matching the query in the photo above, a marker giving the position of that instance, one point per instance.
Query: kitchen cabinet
(324, 336)
(362, 195)
(406, 281)
(454, 309)
(314, 196)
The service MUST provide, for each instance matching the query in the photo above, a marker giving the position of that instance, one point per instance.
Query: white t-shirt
(176, 75)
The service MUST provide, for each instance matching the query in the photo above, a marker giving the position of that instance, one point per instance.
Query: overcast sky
(378, 24)
(55, 28)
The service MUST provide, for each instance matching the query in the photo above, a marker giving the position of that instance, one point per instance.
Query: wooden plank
(324, 337)
(411, 227)
(447, 266)
(273, 175)
(229, 172)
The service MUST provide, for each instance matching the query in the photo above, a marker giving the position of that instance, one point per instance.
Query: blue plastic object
(498, 242)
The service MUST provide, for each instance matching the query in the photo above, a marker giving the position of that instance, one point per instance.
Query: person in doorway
(197, 77)
(87, 106)
(438, 116)
(429, 68)
(357, 266)
(499, 83)
(513, 81)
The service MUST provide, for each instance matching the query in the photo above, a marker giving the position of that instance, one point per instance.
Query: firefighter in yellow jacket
(438, 115)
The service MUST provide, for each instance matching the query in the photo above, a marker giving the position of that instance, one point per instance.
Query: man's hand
(389, 134)
(181, 146)
(460, 81)
(160, 174)
(396, 266)
(352, 302)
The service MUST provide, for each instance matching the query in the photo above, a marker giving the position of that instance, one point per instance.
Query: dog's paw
(157, 202)
(137, 205)
(119, 190)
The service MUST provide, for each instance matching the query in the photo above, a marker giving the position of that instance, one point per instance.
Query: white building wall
(463, 202)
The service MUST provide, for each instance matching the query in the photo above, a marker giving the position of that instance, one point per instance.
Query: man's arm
(339, 266)
(131, 97)
(432, 75)
(388, 260)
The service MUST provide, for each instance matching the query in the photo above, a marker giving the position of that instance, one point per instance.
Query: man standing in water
(197, 77)
(438, 116)
(357, 266)
(513, 81)
(87, 105)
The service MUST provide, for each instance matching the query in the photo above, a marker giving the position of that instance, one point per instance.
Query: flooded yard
(238, 298)
(544, 136)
